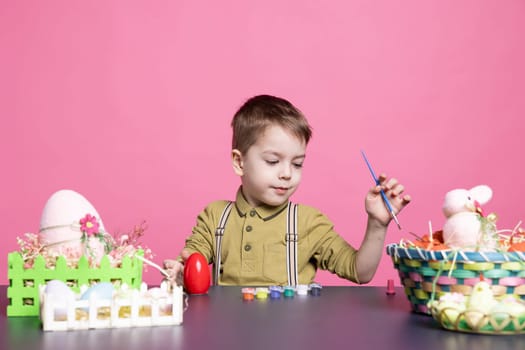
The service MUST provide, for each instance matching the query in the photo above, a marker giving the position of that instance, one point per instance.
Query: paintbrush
(383, 195)
(151, 263)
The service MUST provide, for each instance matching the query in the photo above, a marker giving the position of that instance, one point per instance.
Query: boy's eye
(275, 162)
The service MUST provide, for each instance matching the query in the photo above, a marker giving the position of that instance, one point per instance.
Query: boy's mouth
(281, 190)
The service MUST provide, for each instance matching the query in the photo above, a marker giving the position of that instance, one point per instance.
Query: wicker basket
(427, 274)
(23, 289)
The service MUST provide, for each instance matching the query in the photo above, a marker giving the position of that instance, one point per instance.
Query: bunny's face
(462, 200)
(457, 201)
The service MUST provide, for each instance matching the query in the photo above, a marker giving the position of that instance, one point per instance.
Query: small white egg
(99, 291)
(61, 295)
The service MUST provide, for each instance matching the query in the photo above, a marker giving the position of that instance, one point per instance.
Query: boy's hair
(261, 111)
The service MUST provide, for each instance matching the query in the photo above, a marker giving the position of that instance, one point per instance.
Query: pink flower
(89, 225)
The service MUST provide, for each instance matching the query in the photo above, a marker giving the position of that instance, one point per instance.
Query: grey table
(341, 317)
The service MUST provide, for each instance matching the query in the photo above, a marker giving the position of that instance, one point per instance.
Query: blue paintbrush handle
(383, 195)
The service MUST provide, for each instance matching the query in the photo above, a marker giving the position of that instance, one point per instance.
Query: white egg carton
(128, 308)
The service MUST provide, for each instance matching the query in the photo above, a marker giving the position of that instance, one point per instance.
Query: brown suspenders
(219, 232)
(291, 243)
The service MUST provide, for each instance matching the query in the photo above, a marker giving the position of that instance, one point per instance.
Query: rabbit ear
(481, 193)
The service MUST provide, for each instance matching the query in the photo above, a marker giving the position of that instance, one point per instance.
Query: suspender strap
(219, 232)
(291, 244)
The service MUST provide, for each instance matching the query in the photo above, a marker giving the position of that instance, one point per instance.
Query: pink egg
(60, 222)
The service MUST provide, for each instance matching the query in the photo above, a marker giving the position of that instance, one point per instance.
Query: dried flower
(96, 243)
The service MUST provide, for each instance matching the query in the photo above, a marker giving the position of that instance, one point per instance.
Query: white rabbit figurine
(465, 227)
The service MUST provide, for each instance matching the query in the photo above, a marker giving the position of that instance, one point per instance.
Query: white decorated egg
(450, 306)
(157, 293)
(60, 222)
(124, 292)
(160, 296)
(61, 295)
(99, 291)
(59, 288)
(509, 306)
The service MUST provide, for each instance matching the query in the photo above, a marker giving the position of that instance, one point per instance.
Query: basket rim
(416, 253)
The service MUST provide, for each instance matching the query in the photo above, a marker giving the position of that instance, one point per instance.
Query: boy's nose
(285, 172)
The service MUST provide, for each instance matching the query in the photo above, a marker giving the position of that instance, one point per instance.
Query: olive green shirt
(254, 247)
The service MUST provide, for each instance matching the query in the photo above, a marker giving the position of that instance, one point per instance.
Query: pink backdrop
(129, 103)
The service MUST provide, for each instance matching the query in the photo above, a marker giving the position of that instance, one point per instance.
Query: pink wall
(129, 103)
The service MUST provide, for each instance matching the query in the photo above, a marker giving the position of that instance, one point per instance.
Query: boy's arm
(175, 267)
(371, 250)
(201, 241)
(197, 242)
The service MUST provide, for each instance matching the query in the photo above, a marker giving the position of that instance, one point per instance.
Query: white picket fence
(137, 308)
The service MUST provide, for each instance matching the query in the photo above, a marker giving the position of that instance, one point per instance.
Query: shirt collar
(265, 212)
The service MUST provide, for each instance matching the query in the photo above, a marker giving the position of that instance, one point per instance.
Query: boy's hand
(175, 268)
(374, 205)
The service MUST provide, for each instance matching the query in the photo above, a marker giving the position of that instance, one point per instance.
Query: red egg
(196, 274)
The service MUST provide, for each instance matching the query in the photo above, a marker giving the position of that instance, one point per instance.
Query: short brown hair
(261, 111)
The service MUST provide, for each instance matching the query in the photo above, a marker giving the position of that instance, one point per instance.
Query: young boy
(255, 243)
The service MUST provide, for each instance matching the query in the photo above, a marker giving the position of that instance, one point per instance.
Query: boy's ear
(237, 162)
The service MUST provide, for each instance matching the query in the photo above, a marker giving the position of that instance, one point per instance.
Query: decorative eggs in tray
(480, 312)
(104, 305)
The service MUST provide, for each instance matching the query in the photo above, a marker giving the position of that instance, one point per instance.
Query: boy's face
(271, 169)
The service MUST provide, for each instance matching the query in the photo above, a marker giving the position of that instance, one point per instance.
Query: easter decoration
(467, 272)
(196, 274)
(104, 305)
(73, 246)
(480, 312)
(466, 228)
